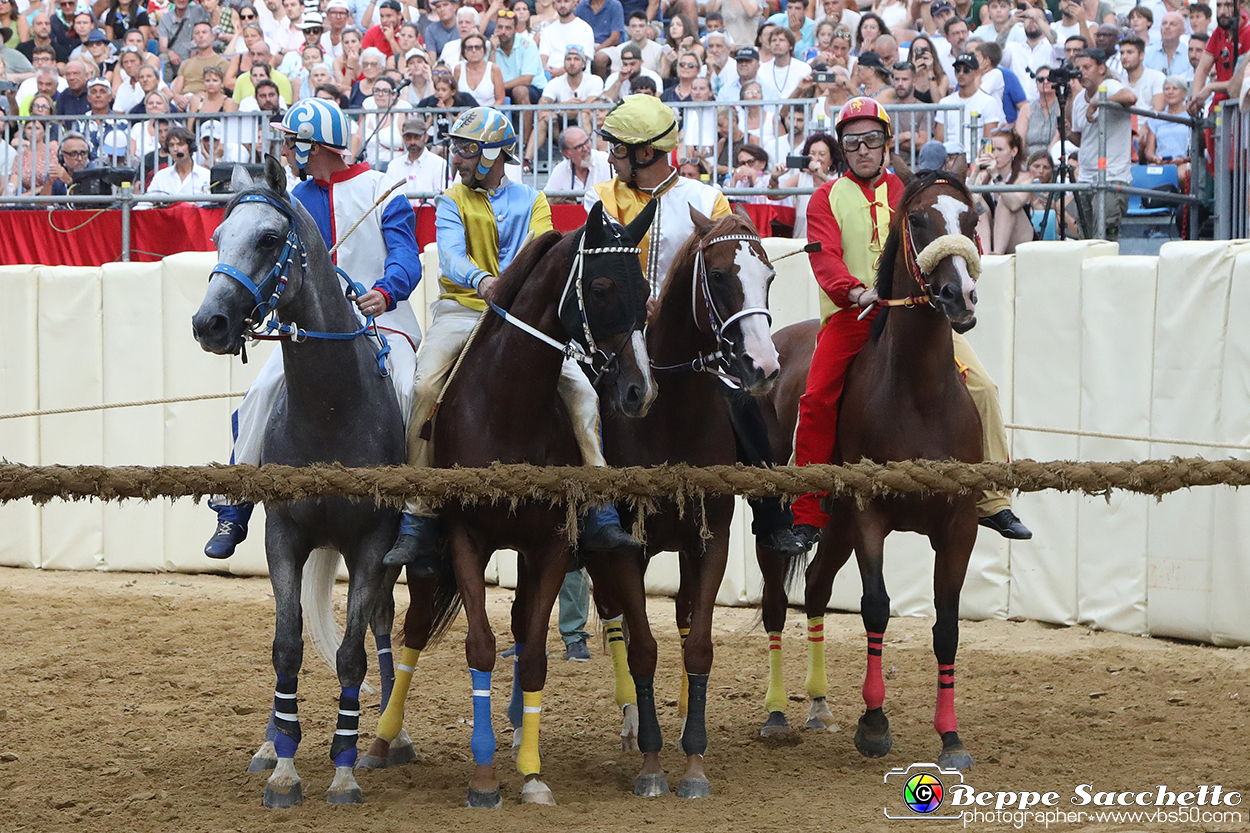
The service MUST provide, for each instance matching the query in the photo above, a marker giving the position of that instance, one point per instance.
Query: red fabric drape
(55, 239)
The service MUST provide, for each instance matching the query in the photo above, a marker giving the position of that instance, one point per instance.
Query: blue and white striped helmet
(315, 120)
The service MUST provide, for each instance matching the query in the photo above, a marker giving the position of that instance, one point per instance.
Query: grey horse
(336, 407)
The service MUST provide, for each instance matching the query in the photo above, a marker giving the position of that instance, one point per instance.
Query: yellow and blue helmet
(316, 121)
(484, 132)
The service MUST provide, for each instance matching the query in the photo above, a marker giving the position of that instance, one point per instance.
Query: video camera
(1061, 77)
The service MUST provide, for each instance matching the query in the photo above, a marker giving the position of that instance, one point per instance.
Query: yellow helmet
(863, 107)
(641, 120)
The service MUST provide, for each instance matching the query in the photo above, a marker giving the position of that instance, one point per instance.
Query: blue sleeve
(1015, 90)
(618, 19)
(403, 256)
(453, 251)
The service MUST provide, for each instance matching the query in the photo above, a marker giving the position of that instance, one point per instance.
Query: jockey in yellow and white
(483, 222)
(382, 254)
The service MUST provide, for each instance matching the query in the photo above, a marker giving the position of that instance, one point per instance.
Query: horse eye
(718, 276)
(269, 239)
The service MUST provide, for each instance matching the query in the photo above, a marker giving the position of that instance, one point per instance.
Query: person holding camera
(1006, 23)
(821, 160)
(1003, 217)
(1083, 115)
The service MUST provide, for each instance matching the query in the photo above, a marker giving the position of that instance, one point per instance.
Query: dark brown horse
(502, 405)
(714, 301)
(904, 399)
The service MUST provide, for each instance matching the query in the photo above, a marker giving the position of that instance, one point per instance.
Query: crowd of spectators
(213, 75)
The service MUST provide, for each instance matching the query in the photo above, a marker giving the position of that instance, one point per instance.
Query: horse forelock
(730, 224)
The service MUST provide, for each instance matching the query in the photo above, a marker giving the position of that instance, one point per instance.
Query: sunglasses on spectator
(689, 161)
(872, 141)
(688, 66)
(247, 17)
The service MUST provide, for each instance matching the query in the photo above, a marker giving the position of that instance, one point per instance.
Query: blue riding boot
(600, 531)
(231, 531)
(417, 546)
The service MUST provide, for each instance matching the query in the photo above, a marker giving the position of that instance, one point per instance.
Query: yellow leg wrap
(817, 678)
(684, 700)
(775, 700)
(625, 694)
(527, 762)
(392, 721)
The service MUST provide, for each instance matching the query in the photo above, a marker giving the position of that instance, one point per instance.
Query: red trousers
(837, 345)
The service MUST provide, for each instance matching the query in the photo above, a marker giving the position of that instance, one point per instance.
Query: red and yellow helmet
(863, 107)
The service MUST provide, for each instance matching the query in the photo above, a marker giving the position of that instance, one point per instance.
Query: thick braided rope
(586, 485)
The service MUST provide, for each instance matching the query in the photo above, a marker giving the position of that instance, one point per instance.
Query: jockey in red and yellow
(850, 216)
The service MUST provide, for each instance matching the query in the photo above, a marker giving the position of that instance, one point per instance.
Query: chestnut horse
(713, 315)
(586, 290)
(904, 399)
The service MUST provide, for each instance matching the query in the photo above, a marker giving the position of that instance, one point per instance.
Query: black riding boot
(771, 520)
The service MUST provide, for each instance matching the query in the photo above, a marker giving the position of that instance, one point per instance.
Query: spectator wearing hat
(175, 33)
(101, 116)
(1084, 117)
(101, 52)
(423, 171)
(621, 84)
(213, 147)
(421, 82)
(72, 101)
(382, 36)
(114, 151)
(338, 16)
(184, 176)
(874, 78)
(190, 80)
(565, 31)
(780, 76)
(748, 60)
(956, 124)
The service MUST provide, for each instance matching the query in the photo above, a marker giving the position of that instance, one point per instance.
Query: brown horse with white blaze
(904, 399)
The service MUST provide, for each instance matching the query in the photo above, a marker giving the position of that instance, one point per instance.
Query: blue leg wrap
(343, 748)
(406, 521)
(516, 706)
(483, 740)
(386, 666)
(286, 716)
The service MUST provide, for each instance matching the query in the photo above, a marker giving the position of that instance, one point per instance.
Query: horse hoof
(265, 759)
(344, 789)
(651, 786)
(279, 798)
(536, 792)
(349, 796)
(954, 755)
(484, 799)
(694, 788)
(776, 726)
(820, 718)
(873, 738)
(372, 762)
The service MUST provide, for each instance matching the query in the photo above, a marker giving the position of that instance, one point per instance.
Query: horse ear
(275, 176)
(901, 170)
(958, 167)
(638, 227)
(594, 236)
(240, 179)
(701, 224)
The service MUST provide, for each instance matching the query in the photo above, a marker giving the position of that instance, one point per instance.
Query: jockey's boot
(785, 541)
(1006, 524)
(600, 531)
(231, 531)
(807, 535)
(417, 545)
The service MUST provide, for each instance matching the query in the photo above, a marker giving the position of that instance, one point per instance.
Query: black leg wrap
(291, 730)
(694, 741)
(649, 739)
(346, 723)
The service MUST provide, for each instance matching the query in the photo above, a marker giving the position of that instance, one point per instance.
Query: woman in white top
(821, 151)
(388, 141)
(698, 124)
(756, 124)
(477, 76)
(145, 135)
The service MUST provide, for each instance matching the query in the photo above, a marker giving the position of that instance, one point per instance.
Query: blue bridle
(263, 323)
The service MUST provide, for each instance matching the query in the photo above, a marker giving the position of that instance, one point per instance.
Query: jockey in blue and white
(381, 253)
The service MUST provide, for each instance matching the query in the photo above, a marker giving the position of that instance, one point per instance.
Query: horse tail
(317, 601)
(445, 604)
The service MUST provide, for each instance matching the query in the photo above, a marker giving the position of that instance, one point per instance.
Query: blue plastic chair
(1151, 176)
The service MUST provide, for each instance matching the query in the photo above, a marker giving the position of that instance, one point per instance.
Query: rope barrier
(134, 404)
(582, 486)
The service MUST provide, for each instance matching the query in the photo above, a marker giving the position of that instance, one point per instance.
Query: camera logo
(922, 790)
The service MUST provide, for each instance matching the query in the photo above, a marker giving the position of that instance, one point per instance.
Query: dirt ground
(132, 702)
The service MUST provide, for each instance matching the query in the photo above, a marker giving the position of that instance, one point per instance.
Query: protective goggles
(466, 148)
(872, 141)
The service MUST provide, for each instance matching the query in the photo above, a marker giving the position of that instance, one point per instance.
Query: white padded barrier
(20, 545)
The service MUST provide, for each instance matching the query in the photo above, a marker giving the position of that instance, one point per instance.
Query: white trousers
(451, 324)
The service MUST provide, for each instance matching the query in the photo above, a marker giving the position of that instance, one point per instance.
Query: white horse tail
(317, 601)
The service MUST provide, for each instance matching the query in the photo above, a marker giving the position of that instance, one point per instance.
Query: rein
(589, 354)
(262, 323)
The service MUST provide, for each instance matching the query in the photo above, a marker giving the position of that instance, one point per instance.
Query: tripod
(1063, 171)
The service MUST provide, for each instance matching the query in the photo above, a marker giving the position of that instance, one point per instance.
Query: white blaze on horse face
(951, 210)
(754, 274)
(644, 366)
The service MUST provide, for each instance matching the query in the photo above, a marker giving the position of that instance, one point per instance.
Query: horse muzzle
(215, 333)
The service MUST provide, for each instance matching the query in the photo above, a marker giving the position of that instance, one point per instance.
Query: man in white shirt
(1169, 52)
(1006, 24)
(184, 176)
(639, 30)
(338, 17)
(288, 36)
(1083, 115)
(426, 172)
(1038, 49)
(783, 74)
(747, 59)
(582, 168)
(719, 69)
(558, 35)
(573, 86)
(620, 84)
(972, 101)
(1146, 83)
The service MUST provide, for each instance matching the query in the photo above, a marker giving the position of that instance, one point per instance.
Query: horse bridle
(262, 323)
(590, 354)
(923, 262)
(716, 362)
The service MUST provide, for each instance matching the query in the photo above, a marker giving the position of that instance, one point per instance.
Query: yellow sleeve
(540, 217)
(721, 207)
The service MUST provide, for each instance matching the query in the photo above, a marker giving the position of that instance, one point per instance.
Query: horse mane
(733, 223)
(889, 252)
(527, 259)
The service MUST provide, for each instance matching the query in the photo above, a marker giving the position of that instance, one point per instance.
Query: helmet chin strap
(635, 166)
